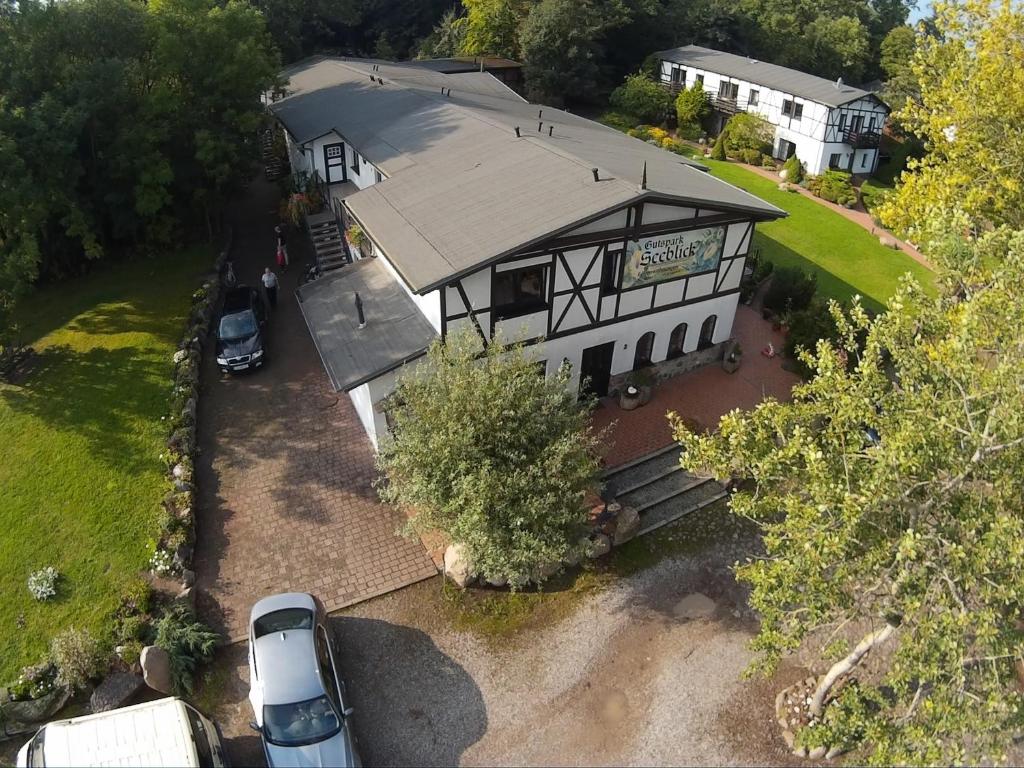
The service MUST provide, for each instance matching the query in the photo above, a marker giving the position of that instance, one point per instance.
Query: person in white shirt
(270, 286)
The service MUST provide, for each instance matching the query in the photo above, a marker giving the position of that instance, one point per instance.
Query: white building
(826, 124)
(512, 220)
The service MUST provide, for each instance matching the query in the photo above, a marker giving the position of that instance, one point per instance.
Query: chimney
(594, 171)
(517, 131)
(359, 311)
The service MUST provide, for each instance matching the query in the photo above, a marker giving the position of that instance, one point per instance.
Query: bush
(136, 597)
(618, 121)
(34, 682)
(791, 290)
(692, 105)
(78, 656)
(750, 156)
(43, 583)
(835, 187)
(677, 146)
(768, 162)
(748, 131)
(691, 131)
(639, 95)
(762, 269)
(718, 150)
(794, 169)
(187, 641)
(806, 328)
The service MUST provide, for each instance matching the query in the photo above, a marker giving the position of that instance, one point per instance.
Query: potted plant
(639, 389)
(629, 398)
(356, 238)
(731, 361)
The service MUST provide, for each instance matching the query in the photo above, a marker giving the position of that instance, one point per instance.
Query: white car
(296, 693)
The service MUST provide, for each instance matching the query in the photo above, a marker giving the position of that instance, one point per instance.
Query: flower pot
(630, 398)
(731, 365)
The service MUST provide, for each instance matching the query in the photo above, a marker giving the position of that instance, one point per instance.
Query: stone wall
(666, 369)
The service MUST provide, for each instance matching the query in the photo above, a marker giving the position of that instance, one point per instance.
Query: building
(485, 212)
(826, 124)
(507, 71)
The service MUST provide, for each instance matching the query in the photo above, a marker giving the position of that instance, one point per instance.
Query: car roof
(280, 602)
(287, 667)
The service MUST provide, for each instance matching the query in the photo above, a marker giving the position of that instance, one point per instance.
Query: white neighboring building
(826, 124)
(512, 220)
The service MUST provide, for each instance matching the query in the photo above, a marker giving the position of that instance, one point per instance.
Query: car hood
(239, 347)
(335, 752)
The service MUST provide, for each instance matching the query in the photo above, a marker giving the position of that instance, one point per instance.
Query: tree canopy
(642, 98)
(492, 453)
(889, 496)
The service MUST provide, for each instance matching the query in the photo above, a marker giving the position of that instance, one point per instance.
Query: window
(792, 109)
(334, 151)
(707, 333)
(644, 348)
(700, 79)
(610, 272)
(678, 75)
(872, 123)
(864, 160)
(842, 122)
(284, 619)
(327, 667)
(520, 291)
(676, 341)
(833, 160)
(355, 161)
(377, 176)
(729, 91)
(200, 737)
(798, 111)
(754, 96)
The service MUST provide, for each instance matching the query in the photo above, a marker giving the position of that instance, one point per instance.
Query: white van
(166, 732)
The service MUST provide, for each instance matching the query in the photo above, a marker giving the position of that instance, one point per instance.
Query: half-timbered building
(514, 221)
(825, 123)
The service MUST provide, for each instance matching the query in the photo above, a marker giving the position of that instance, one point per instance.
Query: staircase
(658, 488)
(328, 244)
(272, 165)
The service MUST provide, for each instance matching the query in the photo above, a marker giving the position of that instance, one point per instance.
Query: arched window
(707, 333)
(644, 348)
(676, 341)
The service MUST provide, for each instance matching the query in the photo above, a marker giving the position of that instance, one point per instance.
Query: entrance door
(596, 369)
(786, 149)
(334, 163)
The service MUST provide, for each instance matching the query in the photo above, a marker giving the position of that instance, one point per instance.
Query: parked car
(296, 693)
(240, 343)
(161, 732)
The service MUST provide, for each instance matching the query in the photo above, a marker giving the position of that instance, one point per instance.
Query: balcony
(861, 139)
(726, 105)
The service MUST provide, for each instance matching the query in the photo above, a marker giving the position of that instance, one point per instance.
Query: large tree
(492, 453)
(492, 27)
(889, 493)
(968, 113)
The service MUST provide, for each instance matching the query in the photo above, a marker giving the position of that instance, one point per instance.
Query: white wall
(429, 304)
(366, 176)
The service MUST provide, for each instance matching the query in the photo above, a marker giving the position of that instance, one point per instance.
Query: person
(270, 286)
(229, 275)
(282, 245)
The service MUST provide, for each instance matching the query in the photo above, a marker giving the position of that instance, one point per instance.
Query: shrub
(718, 150)
(835, 187)
(691, 131)
(187, 641)
(791, 290)
(794, 169)
(78, 657)
(748, 131)
(43, 583)
(639, 95)
(161, 562)
(768, 162)
(658, 134)
(618, 121)
(355, 235)
(34, 682)
(806, 328)
(750, 156)
(136, 597)
(678, 147)
(762, 269)
(692, 105)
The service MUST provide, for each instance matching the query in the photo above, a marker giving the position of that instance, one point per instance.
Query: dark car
(240, 344)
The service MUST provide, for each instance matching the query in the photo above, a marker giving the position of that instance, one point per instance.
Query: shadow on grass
(103, 395)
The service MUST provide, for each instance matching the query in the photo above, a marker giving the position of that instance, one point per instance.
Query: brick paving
(701, 396)
(286, 471)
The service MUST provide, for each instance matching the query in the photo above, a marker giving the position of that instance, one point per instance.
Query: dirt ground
(643, 671)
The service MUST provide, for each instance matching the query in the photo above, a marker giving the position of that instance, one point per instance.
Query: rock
(600, 545)
(178, 471)
(800, 752)
(626, 526)
(834, 752)
(783, 174)
(457, 566)
(888, 242)
(789, 738)
(115, 691)
(188, 597)
(19, 717)
(694, 606)
(188, 577)
(181, 486)
(156, 668)
(547, 570)
(497, 581)
(817, 753)
(182, 557)
(614, 507)
(783, 186)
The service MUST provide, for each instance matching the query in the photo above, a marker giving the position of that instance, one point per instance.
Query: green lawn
(80, 475)
(847, 258)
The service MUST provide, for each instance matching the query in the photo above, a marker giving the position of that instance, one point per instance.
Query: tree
(718, 151)
(888, 493)
(492, 27)
(448, 37)
(897, 56)
(492, 454)
(642, 98)
(562, 43)
(748, 131)
(969, 113)
(692, 105)
(838, 47)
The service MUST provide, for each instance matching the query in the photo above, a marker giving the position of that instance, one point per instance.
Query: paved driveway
(286, 498)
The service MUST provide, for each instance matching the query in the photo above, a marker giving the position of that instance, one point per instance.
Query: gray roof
(396, 331)
(783, 79)
(463, 189)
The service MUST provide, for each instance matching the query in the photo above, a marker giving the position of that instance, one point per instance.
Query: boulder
(181, 486)
(116, 690)
(546, 570)
(188, 597)
(188, 577)
(19, 717)
(182, 557)
(783, 174)
(457, 566)
(817, 753)
(888, 242)
(497, 581)
(156, 668)
(783, 186)
(626, 526)
(600, 545)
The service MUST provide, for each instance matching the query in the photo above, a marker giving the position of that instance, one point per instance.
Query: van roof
(155, 733)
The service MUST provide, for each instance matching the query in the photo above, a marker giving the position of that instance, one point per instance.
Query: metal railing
(862, 139)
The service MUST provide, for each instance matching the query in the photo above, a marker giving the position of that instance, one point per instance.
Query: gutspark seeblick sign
(665, 257)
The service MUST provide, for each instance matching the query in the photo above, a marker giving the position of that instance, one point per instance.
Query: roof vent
(596, 175)
(643, 180)
(283, 637)
(362, 317)
(540, 113)
(839, 82)
(551, 130)
(517, 131)
(540, 126)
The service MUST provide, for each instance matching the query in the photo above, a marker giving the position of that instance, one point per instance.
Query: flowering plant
(161, 562)
(43, 583)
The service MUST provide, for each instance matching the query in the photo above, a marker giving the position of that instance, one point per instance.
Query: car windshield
(294, 725)
(237, 326)
(284, 619)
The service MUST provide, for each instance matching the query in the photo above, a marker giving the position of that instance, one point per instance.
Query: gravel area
(643, 672)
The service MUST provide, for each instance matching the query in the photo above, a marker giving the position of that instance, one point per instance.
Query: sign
(666, 257)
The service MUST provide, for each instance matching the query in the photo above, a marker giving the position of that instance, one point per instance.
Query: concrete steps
(658, 488)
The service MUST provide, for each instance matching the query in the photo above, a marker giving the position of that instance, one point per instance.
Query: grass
(80, 475)
(501, 615)
(846, 258)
